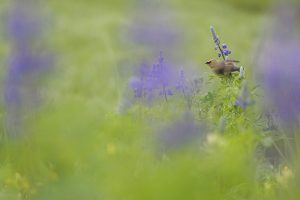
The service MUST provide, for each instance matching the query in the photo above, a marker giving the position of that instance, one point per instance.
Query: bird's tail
(236, 69)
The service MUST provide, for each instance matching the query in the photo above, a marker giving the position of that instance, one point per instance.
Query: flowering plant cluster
(223, 50)
(161, 79)
(244, 100)
(27, 63)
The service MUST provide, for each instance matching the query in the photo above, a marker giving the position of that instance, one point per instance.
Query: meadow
(110, 99)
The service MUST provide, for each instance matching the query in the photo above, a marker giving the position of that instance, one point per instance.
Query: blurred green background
(78, 146)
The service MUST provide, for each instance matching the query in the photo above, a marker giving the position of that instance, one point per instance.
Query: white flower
(242, 72)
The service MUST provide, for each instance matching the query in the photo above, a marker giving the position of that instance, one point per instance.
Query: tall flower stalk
(223, 49)
(162, 79)
(244, 100)
(27, 64)
(279, 65)
(152, 80)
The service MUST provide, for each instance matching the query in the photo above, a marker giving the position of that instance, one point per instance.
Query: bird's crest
(209, 61)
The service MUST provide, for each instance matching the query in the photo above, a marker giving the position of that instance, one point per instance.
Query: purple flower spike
(162, 80)
(27, 65)
(182, 83)
(215, 37)
(180, 132)
(23, 24)
(279, 66)
(153, 27)
(244, 100)
(137, 86)
(223, 49)
(155, 80)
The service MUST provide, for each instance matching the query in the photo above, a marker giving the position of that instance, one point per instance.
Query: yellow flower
(110, 148)
(285, 175)
(215, 139)
(268, 186)
(24, 185)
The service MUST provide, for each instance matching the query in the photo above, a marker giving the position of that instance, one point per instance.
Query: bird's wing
(235, 61)
(229, 64)
(230, 67)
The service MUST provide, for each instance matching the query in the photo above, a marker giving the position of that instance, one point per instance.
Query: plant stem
(221, 52)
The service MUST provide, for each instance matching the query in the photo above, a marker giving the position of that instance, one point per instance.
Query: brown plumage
(223, 66)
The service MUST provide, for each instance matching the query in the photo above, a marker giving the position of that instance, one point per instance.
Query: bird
(223, 66)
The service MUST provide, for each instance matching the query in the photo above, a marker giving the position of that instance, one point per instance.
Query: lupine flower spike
(223, 49)
(162, 80)
(217, 42)
(154, 80)
(244, 100)
(26, 64)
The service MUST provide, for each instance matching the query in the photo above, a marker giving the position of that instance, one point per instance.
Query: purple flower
(163, 77)
(23, 24)
(182, 83)
(180, 132)
(187, 87)
(137, 86)
(244, 100)
(153, 26)
(215, 36)
(26, 65)
(226, 52)
(223, 50)
(161, 80)
(156, 80)
(279, 65)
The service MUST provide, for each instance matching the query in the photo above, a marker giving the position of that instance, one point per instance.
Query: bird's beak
(207, 62)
